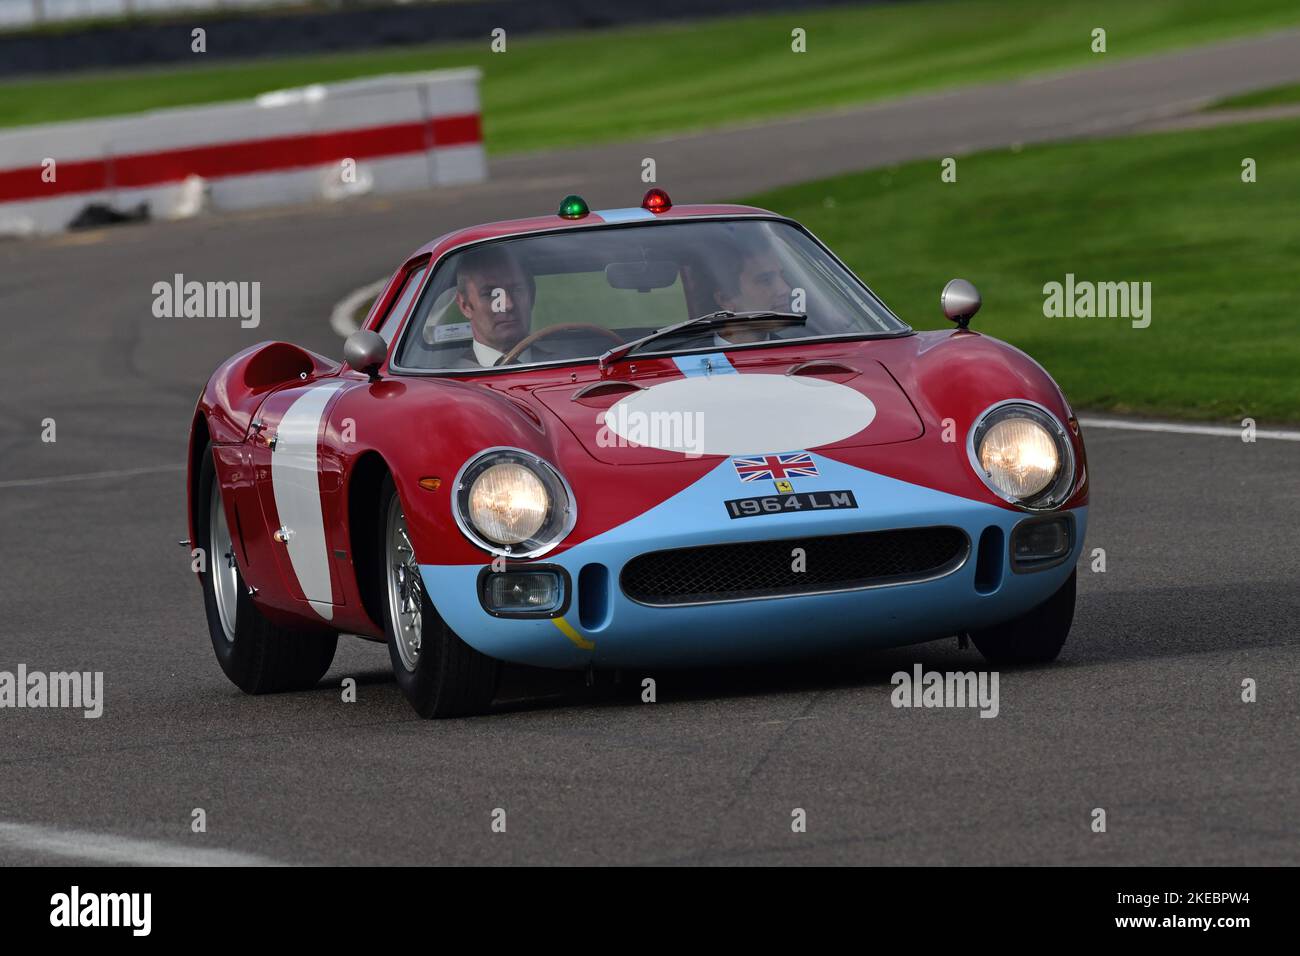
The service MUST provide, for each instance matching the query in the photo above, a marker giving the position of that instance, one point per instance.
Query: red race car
(644, 437)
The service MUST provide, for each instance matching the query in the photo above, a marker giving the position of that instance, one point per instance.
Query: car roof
(597, 217)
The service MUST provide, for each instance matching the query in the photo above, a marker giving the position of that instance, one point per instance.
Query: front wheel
(257, 656)
(440, 674)
(1035, 637)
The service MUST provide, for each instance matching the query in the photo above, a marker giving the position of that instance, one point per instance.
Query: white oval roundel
(741, 414)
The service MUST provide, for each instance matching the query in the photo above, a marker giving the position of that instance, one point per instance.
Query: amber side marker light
(430, 484)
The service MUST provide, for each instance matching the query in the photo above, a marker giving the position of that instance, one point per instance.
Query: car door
(299, 485)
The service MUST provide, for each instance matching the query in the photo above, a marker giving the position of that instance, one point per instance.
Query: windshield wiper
(709, 320)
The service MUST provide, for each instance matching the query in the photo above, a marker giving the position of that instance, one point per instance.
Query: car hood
(743, 403)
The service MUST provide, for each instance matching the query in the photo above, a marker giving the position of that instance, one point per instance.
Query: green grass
(566, 89)
(1171, 209)
(1275, 96)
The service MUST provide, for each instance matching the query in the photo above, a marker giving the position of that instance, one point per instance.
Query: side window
(393, 320)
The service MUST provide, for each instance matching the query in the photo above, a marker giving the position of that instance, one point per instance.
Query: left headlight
(511, 502)
(1023, 454)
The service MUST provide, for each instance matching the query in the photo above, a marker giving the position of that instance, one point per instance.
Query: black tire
(1035, 637)
(450, 678)
(261, 658)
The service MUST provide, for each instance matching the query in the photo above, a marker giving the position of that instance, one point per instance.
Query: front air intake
(766, 569)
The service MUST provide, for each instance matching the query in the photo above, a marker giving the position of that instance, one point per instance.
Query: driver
(748, 278)
(495, 293)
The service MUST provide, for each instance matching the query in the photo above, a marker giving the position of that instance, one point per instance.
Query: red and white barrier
(401, 133)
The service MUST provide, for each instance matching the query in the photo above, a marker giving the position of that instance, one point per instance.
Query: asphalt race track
(1142, 716)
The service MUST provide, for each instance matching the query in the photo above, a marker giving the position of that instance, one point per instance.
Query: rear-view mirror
(642, 275)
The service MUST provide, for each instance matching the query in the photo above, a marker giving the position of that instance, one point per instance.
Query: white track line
(89, 476)
(1181, 428)
(111, 849)
(341, 320)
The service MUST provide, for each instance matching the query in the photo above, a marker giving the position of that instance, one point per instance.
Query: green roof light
(573, 207)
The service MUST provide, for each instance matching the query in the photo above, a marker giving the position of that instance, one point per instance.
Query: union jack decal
(798, 464)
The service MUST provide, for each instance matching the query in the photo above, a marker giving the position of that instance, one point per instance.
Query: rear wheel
(1035, 637)
(257, 656)
(440, 674)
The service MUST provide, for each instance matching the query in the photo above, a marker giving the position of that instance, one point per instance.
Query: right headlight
(512, 503)
(1023, 454)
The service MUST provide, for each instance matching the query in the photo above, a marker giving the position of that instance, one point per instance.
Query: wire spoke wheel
(224, 571)
(405, 587)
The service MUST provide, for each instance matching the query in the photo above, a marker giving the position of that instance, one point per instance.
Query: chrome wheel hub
(405, 587)
(221, 564)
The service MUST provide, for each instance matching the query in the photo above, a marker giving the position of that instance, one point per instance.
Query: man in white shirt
(748, 280)
(495, 293)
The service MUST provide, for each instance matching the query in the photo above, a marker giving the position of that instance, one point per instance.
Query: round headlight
(510, 502)
(1023, 454)
(1019, 457)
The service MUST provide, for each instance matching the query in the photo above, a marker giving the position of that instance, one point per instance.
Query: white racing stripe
(89, 476)
(295, 482)
(1180, 428)
(112, 849)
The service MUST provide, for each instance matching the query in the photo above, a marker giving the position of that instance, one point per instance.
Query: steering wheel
(528, 340)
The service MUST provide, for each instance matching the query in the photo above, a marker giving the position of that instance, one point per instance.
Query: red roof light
(656, 200)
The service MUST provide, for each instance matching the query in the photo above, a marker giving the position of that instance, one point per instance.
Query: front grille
(761, 569)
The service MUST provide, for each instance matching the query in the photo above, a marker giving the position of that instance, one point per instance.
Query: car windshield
(574, 295)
